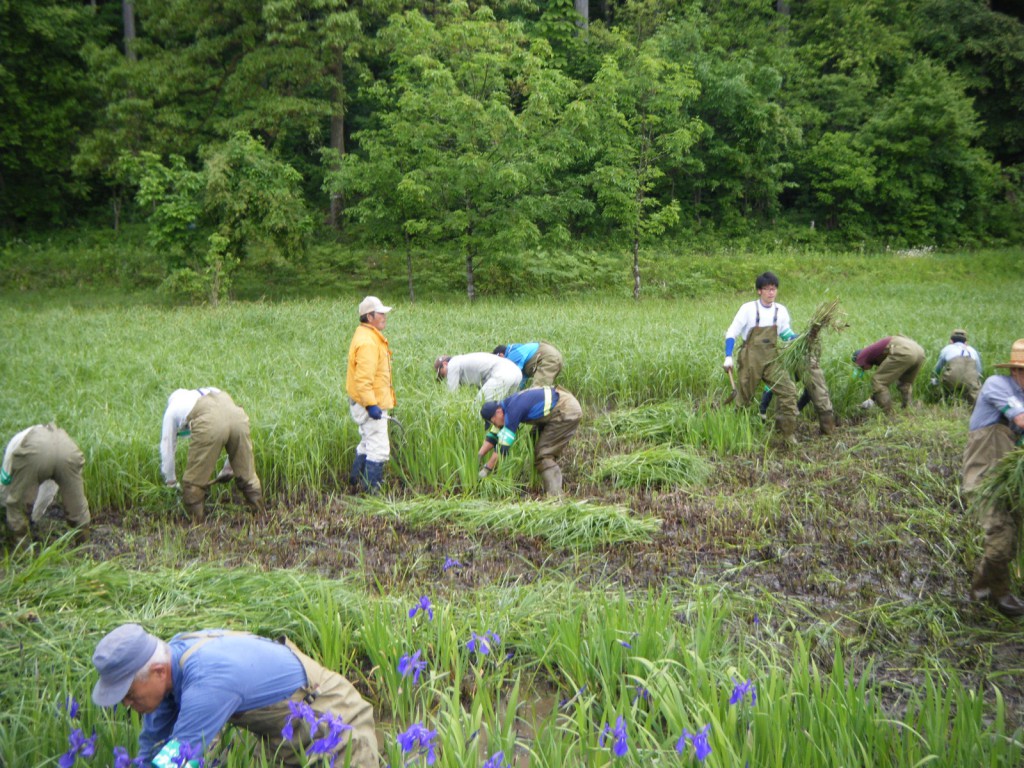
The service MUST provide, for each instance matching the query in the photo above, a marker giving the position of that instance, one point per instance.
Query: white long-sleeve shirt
(954, 350)
(754, 314)
(496, 376)
(179, 406)
(47, 488)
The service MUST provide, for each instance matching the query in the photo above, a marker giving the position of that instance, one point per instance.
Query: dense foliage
(493, 131)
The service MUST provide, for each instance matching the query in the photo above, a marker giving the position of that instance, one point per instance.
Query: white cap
(372, 304)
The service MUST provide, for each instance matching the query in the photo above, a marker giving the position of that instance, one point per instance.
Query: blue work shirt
(999, 401)
(520, 354)
(234, 673)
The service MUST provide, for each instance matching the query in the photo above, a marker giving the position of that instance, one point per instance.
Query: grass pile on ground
(661, 466)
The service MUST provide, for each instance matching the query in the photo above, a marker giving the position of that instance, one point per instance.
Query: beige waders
(544, 366)
(903, 360)
(553, 433)
(46, 453)
(960, 377)
(758, 361)
(216, 424)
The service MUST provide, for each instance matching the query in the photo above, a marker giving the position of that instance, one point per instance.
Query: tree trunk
(583, 9)
(636, 268)
(337, 206)
(116, 202)
(128, 19)
(408, 266)
(782, 6)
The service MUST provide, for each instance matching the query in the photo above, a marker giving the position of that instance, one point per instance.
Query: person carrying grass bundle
(760, 324)
(899, 359)
(370, 394)
(188, 689)
(37, 462)
(496, 376)
(555, 414)
(212, 421)
(538, 360)
(996, 429)
(959, 368)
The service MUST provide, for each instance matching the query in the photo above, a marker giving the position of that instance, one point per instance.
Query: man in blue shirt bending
(538, 361)
(188, 689)
(555, 414)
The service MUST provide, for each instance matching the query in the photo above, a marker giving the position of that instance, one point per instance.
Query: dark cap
(118, 658)
(958, 335)
(488, 410)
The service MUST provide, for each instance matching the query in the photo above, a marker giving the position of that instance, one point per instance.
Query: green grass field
(692, 551)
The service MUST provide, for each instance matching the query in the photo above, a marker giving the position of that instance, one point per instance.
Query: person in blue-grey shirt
(959, 368)
(538, 360)
(996, 429)
(555, 414)
(188, 689)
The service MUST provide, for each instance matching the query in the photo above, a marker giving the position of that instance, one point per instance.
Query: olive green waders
(985, 447)
(216, 424)
(903, 360)
(46, 453)
(758, 361)
(325, 691)
(813, 380)
(544, 366)
(553, 433)
(960, 377)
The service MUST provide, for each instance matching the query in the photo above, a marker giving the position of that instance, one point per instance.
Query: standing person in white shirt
(37, 462)
(214, 423)
(959, 368)
(496, 376)
(760, 324)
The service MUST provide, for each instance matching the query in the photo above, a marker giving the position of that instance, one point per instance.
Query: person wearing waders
(760, 324)
(959, 368)
(996, 429)
(539, 361)
(495, 376)
(213, 423)
(37, 462)
(370, 394)
(555, 414)
(189, 688)
(899, 359)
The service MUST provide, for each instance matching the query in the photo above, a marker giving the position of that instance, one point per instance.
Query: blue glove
(374, 412)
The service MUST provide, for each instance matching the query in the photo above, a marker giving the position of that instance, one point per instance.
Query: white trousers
(373, 434)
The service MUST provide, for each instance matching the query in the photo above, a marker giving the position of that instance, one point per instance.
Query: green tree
(640, 112)
(207, 221)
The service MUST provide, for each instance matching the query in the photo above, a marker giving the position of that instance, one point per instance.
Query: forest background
(512, 147)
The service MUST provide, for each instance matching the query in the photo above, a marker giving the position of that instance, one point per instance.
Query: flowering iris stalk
(332, 740)
(121, 759)
(497, 760)
(418, 737)
(699, 740)
(450, 562)
(300, 710)
(425, 606)
(483, 644)
(620, 748)
(187, 754)
(741, 690)
(79, 745)
(71, 706)
(412, 664)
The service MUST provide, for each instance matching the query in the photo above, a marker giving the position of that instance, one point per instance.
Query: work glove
(934, 382)
(374, 412)
(728, 362)
(484, 472)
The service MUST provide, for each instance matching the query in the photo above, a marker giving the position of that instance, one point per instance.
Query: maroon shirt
(873, 355)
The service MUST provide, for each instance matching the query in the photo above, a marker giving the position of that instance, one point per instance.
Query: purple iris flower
(79, 745)
(620, 748)
(699, 740)
(741, 690)
(604, 735)
(423, 605)
(411, 664)
(187, 753)
(71, 706)
(300, 710)
(641, 693)
(121, 759)
(497, 760)
(332, 739)
(450, 562)
(419, 737)
(483, 644)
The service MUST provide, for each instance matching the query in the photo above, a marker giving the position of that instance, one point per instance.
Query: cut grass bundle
(1003, 484)
(796, 355)
(566, 524)
(660, 466)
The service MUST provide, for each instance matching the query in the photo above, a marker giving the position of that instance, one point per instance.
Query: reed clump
(661, 466)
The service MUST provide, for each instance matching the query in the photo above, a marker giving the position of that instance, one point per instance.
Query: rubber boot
(805, 398)
(787, 428)
(194, 499)
(551, 477)
(827, 422)
(374, 476)
(884, 401)
(356, 479)
(992, 582)
(906, 392)
(253, 496)
(82, 535)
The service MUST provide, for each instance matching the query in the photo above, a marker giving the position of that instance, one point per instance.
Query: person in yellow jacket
(370, 394)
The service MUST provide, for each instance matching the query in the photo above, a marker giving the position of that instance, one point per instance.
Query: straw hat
(1016, 356)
